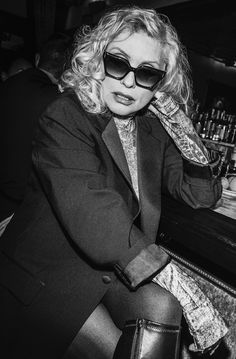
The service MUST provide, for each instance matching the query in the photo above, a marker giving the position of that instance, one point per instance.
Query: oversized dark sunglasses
(145, 76)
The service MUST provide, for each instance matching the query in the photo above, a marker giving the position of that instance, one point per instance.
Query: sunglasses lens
(118, 68)
(148, 78)
(115, 66)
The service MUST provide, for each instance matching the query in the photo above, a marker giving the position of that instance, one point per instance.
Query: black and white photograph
(117, 179)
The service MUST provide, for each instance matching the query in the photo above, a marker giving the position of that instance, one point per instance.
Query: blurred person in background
(23, 97)
(17, 65)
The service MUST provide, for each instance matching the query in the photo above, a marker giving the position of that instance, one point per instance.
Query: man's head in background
(51, 58)
(53, 55)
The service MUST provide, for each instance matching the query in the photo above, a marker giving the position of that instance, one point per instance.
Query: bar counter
(203, 242)
(202, 238)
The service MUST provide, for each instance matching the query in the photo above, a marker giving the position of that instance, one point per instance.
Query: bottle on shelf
(210, 124)
(228, 130)
(199, 123)
(216, 129)
(196, 117)
(223, 132)
(214, 125)
(232, 135)
(203, 132)
(232, 163)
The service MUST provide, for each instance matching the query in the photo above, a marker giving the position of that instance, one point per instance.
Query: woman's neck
(120, 117)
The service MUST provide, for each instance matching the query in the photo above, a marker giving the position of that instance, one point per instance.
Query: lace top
(128, 136)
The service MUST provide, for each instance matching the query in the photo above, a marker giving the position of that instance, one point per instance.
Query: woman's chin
(122, 113)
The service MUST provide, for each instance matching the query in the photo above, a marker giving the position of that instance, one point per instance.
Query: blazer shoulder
(65, 110)
(66, 101)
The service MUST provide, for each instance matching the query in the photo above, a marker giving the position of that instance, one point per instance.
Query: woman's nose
(129, 80)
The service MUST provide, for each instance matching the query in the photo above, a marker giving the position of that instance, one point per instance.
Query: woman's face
(124, 97)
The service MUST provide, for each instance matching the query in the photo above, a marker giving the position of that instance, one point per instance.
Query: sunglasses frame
(132, 69)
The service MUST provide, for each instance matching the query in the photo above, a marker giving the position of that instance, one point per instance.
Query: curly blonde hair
(86, 73)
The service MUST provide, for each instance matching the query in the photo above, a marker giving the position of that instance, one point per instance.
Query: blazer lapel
(149, 174)
(149, 169)
(111, 139)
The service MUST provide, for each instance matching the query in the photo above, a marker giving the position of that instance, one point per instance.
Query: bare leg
(97, 339)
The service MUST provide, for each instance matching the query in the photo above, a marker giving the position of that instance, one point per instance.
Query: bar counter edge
(200, 239)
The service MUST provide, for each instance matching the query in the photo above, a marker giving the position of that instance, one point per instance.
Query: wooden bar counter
(204, 244)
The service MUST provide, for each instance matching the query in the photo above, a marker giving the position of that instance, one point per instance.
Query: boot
(144, 339)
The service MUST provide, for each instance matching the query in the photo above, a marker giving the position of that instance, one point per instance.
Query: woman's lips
(122, 98)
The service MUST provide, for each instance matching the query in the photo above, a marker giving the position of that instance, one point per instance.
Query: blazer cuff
(143, 267)
(197, 170)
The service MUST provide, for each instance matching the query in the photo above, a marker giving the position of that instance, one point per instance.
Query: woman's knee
(170, 309)
(149, 301)
(160, 305)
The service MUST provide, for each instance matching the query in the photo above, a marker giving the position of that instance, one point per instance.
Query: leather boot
(144, 339)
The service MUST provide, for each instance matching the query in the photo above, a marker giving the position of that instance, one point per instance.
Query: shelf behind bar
(232, 145)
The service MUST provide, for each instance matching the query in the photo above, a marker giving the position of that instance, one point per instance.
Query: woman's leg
(97, 339)
(150, 301)
(150, 319)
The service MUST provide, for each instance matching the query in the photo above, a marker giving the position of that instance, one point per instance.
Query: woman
(80, 255)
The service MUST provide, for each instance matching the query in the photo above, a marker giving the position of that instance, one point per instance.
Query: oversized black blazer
(81, 217)
(23, 98)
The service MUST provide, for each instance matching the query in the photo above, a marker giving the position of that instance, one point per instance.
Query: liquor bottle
(232, 136)
(205, 117)
(216, 129)
(228, 130)
(210, 124)
(224, 123)
(232, 163)
(195, 113)
(198, 124)
(223, 132)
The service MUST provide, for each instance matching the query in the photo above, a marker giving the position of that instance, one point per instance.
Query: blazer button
(106, 279)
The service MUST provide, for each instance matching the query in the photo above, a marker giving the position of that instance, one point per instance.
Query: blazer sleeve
(195, 184)
(93, 214)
